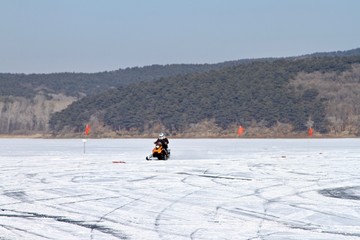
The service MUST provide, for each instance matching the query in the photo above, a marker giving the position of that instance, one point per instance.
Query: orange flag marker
(87, 129)
(310, 132)
(240, 131)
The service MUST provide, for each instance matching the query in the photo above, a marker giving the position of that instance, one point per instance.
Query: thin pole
(84, 141)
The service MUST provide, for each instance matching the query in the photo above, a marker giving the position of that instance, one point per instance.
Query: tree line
(259, 92)
(286, 93)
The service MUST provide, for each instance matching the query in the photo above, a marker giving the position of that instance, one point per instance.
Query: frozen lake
(210, 189)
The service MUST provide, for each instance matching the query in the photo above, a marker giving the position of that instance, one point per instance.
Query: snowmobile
(159, 152)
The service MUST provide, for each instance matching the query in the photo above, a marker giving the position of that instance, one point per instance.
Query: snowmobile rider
(164, 141)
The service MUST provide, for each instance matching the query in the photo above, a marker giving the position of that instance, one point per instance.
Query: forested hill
(349, 53)
(81, 84)
(122, 102)
(286, 95)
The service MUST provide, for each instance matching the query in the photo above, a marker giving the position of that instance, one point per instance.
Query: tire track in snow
(112, 211)
(12, 229)
(162, 212)
(32, 215)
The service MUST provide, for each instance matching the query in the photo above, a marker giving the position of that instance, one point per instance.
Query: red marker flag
(240, 131)
(87, 129)
(310, 132)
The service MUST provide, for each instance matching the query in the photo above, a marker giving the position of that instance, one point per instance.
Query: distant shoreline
(44, 136)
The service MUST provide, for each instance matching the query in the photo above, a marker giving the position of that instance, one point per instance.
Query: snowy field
(209, 189)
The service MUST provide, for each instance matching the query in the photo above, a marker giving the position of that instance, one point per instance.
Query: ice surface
(210, 189)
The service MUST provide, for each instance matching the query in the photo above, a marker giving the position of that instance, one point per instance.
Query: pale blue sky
(44, 36)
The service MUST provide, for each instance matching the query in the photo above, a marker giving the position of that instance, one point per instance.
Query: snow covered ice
(210, 189)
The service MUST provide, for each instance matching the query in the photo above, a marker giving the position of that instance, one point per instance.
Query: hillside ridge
(270, 96)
